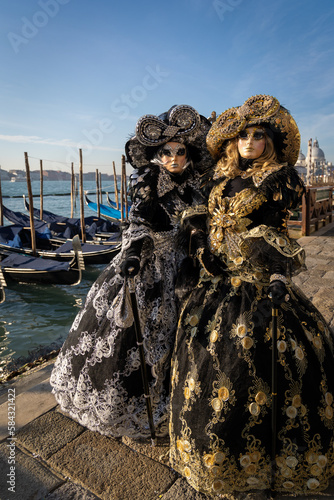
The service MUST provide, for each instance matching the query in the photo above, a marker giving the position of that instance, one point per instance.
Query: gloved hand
(130, 266)
(278, 292)
(212, 264)
(131, 262)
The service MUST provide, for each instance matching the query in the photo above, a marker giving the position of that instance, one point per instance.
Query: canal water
(36, 318)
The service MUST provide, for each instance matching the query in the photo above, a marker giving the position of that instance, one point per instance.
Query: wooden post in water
(1, 214)
(97, 192)
(72, 190)
(82, 216)
(115, 185)
(41, 189)
(122, 189)
(125, 189)
(31, 207)
(100, 188)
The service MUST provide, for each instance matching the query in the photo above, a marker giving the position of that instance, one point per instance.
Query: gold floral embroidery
(326, 411)
(192, 320)
(223, 394)
(228, 219)
(259, 399)
(192, 387)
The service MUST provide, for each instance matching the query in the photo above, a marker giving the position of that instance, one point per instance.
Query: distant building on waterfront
(315, 160)
(51, 175)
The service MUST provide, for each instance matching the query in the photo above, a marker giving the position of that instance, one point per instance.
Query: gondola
(113, 203)
(106, 211)
(96, 228)
(16, 238)
(34, 269)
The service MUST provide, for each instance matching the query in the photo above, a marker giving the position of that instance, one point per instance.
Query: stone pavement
(57, 459)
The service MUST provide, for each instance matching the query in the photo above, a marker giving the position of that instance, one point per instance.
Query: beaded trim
(278, 277)
(152, 131)
(256, 110)
(199, 255)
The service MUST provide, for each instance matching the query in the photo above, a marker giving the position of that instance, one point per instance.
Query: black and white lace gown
(96, 377)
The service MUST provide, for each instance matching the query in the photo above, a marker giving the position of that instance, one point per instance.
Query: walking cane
(274, 315)
(143, 369)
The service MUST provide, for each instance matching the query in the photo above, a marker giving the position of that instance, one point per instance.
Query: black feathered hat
(181, 123)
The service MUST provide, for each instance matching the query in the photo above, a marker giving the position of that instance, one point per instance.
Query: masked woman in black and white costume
(221, 396)
(96, 377)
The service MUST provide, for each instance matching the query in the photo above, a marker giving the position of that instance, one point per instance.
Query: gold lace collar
(258, 174)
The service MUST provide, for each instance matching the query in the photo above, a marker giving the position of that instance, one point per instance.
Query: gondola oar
(2, 286)
(143, 369)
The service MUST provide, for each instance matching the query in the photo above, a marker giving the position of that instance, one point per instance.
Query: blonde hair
(229, 162)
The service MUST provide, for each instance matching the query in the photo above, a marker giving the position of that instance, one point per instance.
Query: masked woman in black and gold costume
(97, 377)
(221, 400)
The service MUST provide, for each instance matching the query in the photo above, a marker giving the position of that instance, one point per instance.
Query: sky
(78, 74)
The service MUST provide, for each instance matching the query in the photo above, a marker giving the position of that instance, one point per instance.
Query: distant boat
(17, 179)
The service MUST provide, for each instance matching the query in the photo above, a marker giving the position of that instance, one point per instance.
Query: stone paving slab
(70, 491)
(111, 470)
(23, 382)
(48, 434)
(28, 406)
(329, 275)
(182, 490)
(31, 479)
(159, 453)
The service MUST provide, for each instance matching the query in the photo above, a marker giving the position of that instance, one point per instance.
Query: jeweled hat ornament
(260, 109)
(181, 123)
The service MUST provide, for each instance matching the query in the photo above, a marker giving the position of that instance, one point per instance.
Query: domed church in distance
(315, 162)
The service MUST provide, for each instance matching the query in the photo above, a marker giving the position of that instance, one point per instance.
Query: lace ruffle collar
(167, 184)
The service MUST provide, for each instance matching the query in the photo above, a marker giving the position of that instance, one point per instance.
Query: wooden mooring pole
(41, 189)
(82, 215)
(31, 206)
(115, 186)
(72, 190)
(97, 192)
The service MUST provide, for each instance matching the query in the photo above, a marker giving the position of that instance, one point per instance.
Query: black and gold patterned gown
(96, 377)
(220, 424)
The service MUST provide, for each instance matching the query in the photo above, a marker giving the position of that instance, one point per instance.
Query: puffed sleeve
(143, 194)
(284, 188)
(269, 242)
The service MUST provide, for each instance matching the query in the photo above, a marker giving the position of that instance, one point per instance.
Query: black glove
(187, 278)
(212, 264)
(278, 292)
(131, 263)
(130, 266)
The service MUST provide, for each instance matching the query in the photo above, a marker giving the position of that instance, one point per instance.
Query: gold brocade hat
(260, 109)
